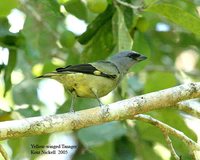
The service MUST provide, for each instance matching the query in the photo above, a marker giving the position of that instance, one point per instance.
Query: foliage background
(166, 31)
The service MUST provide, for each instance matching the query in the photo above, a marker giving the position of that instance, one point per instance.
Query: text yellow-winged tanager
(96, 79)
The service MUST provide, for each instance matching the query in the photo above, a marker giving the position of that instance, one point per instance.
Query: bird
(95, 79)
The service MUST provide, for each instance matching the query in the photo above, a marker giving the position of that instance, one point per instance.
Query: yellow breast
(85, 84)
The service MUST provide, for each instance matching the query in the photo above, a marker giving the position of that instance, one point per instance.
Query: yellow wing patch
(97, 73)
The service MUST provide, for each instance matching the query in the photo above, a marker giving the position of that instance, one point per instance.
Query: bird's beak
(141, 58)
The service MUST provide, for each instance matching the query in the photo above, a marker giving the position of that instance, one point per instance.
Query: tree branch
(191, 107)
(193, 146)
(3, 153)
(170, 146)
(116, 111)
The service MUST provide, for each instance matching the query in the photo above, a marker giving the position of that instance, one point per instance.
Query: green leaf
(40, 41)
(149, 2)
(177, 16)
(86, 155)
(48, 67)
(25, 92)
(15, 145)
(149, 132)
(124, 149)
(141, 45)
(159, 80)
(146, 151)
(31, 38)
(101, 45)
(181, 148)
(21, 147)
(7, 6)
(121, 33)
(135, 85)
(77, 8)
(96, 25)
(140, 147)
(29, 112)
(105, 151)
(9, 68)
(174, 119)
(98, 135)
(2, 67)
(8, 39)
(4, 27)
(129, 16)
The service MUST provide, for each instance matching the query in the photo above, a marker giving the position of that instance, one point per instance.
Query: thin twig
(191, 107)
(3, 153)
(169, 130)
(170, 146)
(128, 5)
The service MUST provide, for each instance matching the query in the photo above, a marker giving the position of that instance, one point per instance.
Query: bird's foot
(105, 110)
(101, 105)
(72, 109)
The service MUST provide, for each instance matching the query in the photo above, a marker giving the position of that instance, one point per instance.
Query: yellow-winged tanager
(96, 79)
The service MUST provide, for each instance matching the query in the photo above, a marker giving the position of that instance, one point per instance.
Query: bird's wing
(100, 68)
(106, 67)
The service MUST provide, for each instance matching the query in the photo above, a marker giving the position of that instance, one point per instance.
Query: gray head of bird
(125, 59)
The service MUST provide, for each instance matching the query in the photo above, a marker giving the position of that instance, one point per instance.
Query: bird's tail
(48, 75)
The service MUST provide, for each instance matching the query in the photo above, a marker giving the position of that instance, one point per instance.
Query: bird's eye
(133, 55)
